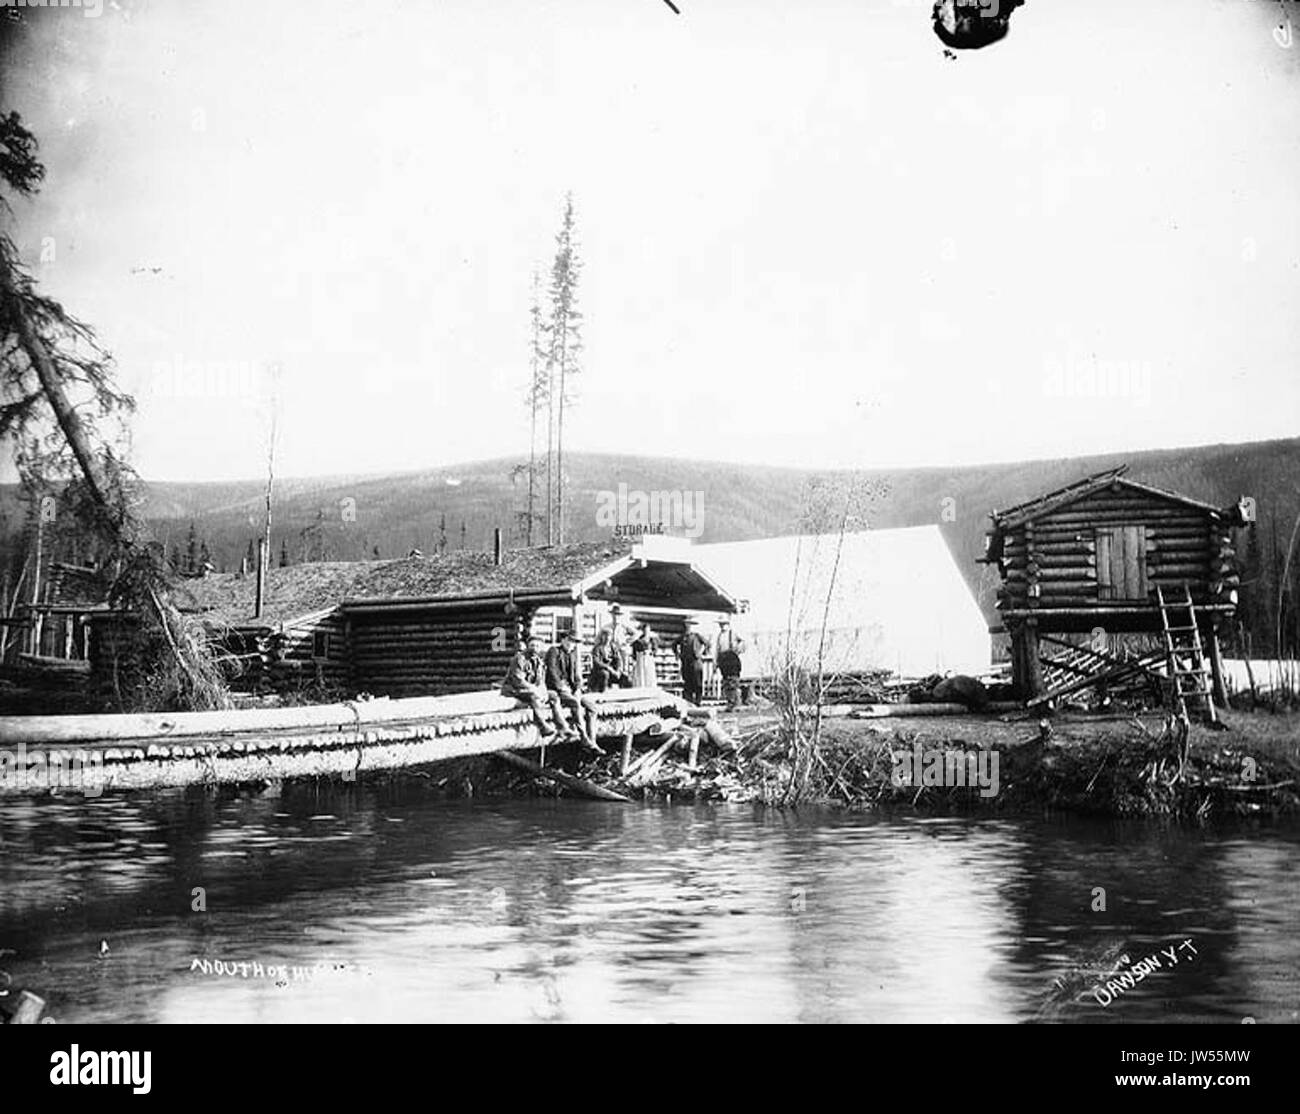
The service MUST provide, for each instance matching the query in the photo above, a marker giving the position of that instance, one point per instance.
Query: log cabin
(1093, 554)
(435, 625)
(55, 628)
(446, 625)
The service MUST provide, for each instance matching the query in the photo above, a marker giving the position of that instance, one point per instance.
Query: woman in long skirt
(644, 674)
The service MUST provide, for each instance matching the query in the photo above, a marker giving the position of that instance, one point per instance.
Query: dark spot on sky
(971, 24)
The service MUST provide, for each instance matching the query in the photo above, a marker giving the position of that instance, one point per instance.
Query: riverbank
(1086, 765)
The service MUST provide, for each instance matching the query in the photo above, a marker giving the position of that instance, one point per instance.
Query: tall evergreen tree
(192, 550)
(564, 337)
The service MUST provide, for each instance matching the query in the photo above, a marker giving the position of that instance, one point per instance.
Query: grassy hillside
(349, 517)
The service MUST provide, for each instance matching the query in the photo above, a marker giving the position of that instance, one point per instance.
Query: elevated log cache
(1092, 556)
(94, 754)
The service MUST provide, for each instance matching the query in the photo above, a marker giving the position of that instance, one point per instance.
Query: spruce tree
(565, 346)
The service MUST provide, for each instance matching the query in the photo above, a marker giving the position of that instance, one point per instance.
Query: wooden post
(627, 754)
(1033, 666)
(1026, 669)
(260, 588)
(1220, 689)
(1019, 675)
(33, 640)
(5, 613)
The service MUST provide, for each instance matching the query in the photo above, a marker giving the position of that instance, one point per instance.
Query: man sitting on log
(564, 679)
(526, 681)
(611, 664)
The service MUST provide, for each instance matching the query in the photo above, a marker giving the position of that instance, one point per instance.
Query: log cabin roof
(1015, 517)
(541, 574)
(77, 586)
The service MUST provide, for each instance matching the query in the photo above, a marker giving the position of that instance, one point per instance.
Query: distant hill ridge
(350, 517)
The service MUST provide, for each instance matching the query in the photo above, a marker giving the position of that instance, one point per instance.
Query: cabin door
(1122, 563)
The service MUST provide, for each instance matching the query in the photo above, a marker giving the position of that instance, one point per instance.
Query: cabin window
(320, 644)
(1122, 563)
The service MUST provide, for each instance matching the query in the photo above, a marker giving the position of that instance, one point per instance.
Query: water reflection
(413, 908)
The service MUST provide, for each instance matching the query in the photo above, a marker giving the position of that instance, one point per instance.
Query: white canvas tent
(899, 601)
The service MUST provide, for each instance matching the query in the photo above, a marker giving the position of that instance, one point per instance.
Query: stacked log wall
(300, 643)
(1052, 561)
(118, 655)
(419, 653)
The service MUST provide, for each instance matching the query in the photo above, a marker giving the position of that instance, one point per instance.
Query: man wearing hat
(616, 626)
(693, 651)
(525, 680)
(610, 661)
(564, 680)
(729, 647)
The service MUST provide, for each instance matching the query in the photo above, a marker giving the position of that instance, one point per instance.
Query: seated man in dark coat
(564, 680)
(525, 680)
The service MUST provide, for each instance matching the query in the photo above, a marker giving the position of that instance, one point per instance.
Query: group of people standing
(550, 681)
(695, 650)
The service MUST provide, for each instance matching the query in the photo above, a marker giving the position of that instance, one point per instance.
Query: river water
(387, 903)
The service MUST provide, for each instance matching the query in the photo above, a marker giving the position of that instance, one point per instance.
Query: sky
(809, 236)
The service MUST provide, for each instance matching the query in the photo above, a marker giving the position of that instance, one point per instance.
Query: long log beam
(92, 754)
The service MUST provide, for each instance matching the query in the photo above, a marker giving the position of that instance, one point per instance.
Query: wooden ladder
(1183, 641)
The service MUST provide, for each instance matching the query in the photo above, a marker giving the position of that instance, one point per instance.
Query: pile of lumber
(1078, 668)
(871, 686)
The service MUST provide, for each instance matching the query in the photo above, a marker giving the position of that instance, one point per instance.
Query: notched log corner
(970, 24)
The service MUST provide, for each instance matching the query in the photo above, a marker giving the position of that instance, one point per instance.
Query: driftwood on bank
(577, 785)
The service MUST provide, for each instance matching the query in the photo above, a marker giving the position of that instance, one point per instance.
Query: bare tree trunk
(550, 452)
(559, 439)
(34, 644)
(532, 474)
(1282, 586)
(265, 546)
(826, 615)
